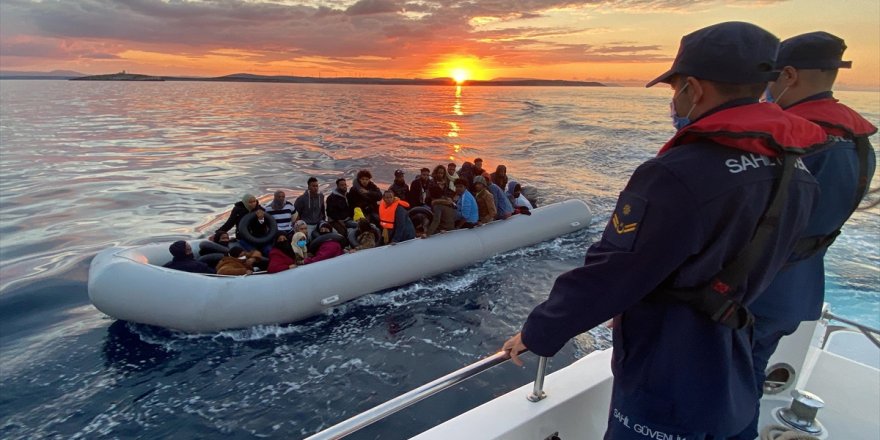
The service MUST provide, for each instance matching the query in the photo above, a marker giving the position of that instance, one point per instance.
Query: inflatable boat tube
(131, 284)
(244, 233)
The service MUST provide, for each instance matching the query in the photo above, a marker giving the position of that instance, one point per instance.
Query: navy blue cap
(814, 50)
(731, 52)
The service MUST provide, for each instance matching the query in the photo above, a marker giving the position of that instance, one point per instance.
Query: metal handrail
(402, 401)
(869, 332)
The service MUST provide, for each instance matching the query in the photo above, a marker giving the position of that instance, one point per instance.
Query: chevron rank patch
(623, 227)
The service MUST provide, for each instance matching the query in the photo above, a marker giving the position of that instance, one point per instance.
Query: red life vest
(835, 118)
(761, 128)
(386, 212)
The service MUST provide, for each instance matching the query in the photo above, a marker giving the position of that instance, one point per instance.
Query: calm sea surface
(89, 165)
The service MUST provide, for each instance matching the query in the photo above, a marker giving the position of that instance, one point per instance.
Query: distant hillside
(122, 76)
(249, 77)
(55, 74)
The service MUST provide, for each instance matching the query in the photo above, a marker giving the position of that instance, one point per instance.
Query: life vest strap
(716, 299)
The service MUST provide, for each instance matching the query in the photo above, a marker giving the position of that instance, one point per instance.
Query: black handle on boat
(402, 401)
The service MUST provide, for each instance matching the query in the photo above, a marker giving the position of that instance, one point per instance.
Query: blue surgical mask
(679, 122)
(301, 243)
(767, 96)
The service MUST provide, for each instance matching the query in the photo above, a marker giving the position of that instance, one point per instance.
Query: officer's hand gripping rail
(398, 403)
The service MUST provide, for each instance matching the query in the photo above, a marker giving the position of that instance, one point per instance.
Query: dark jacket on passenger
(403, 226)
(238, 211)
(367, 202)
(418, 193)
(681, 217)
(444, 216)
(337, 207)
(400, 190)
(188, 263)
(310, 208)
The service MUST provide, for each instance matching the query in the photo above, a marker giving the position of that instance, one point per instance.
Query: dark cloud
(367, 7)
(343, 31)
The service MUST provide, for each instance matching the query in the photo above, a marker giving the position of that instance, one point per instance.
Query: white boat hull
(131, 285)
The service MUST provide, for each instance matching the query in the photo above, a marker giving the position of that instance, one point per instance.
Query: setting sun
(460, 75)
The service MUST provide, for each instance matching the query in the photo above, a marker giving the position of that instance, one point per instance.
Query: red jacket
(278, 261)
(328, 249)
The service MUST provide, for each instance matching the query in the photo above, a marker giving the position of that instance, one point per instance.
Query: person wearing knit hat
(183, 260)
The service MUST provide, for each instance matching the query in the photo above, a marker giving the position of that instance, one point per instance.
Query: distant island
(121, 76)
(247, 77)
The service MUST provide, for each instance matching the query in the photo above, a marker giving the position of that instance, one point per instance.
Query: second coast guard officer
(686, 247)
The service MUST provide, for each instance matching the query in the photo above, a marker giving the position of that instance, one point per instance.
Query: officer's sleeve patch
(623, 227)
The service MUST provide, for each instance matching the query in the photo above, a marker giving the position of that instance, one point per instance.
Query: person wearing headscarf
(184, 260)
(299, 244)
(247, 204)
(282, 256)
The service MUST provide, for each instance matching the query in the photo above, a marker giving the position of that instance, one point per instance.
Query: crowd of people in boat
(283, 235)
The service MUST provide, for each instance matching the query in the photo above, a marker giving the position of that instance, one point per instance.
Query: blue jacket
(502, 203)
(681, 217)
(798, 292)
(467, 207)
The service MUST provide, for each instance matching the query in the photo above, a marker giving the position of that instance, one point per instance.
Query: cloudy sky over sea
(621, 41)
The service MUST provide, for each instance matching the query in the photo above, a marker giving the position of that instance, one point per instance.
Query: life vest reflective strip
(386, 213)
(756, 128)
(837, 120)
(761, 128)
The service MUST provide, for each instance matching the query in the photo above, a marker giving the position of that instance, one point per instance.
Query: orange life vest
(386, 212)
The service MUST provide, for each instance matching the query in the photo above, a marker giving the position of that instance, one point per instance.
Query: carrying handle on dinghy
(402, 401)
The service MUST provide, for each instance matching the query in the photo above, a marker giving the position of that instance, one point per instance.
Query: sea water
(89, 165)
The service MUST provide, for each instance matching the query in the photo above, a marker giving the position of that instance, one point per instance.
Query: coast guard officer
(808, 67)
(686, 246)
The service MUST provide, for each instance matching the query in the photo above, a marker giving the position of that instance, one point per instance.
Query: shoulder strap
(715, 298)
(808, 246)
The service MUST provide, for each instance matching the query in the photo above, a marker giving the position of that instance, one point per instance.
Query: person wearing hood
(299, 243)
(467, 173)
(282, 256)
(310, 205)
(365, 195)
(328, 249)
(399, 186)
(247, 204)
(183, 259)
(499, 177)
(283, 212)
(485, 201)
(520, 203)
(503, 207)
(679, 261)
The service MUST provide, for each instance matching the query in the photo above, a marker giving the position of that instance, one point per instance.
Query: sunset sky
(620, 41)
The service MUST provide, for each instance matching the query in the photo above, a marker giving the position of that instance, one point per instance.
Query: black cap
(731, 52)
(398, 172)
(815, 50)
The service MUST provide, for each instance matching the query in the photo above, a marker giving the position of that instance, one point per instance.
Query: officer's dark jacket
(798, 291)
(682, 215)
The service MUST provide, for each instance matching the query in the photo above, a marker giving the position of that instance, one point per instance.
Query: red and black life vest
(761, 128)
